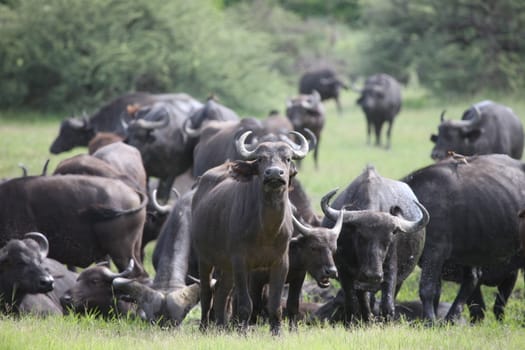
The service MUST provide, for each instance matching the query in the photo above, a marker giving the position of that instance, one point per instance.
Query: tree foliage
(62, 52)
(453, 45)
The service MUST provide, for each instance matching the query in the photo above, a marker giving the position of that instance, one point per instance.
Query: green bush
(72, 53)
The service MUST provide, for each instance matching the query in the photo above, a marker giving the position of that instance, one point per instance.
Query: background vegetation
(65, 55)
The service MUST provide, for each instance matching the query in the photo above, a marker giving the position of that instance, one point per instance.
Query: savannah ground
(25, 138)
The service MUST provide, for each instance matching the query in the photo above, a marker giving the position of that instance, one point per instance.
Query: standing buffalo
(380, 243)
(22, 271)
(472, 203)
(307, 112)
(246, 202)
(325, 82)
(486, 127)
(381, 101)
(84, 218)
(76, 132)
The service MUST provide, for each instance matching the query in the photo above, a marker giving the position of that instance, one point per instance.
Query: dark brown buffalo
(310, 251)
(76, 132)
(380, 243)
(246, 202)
(22, 271)
(473, 202)
(307, 112)
(93, 293)
(381, 102)
(325, 82)
(102, 139)
(486, 127)
(84, 218)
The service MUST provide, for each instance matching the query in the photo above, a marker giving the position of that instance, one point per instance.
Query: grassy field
(26, 137)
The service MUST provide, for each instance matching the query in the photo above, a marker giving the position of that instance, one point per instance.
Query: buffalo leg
(316, 151)
(338, 105)
(221, 297)
(429, 286)
(378, 126)
(164, 189)
(368, 131)
(504, 290)
(278, 274)
(292, 303)
(205, 273)
(471, 277)
(365, 305)
(388, 286)
(476, 305)
(257, 282)
(244, 302)
(388, 131)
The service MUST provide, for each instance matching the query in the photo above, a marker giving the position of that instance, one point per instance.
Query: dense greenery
(68, 53)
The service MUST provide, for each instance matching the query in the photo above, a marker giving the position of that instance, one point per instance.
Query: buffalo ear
(433, 138)
(293, 172)
(243, 170)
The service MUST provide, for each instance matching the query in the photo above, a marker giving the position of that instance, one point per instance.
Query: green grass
(26, 137)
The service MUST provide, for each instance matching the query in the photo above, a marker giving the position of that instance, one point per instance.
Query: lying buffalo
(246, 202)
(22, 271)
(381, 102)
(380, 243)
(84, 218)
(325, 82)
(486, 127)
(472, 203)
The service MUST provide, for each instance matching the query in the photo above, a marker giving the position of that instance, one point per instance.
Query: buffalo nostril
(330, 272)
(46, 283)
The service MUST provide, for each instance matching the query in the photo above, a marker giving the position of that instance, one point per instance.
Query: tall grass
(25, 138)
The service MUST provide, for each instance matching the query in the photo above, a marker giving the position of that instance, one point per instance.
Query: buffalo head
(73, 132)
(458, 136)
(93, 291)
(371, 233)
(21, 269)
(271, 161)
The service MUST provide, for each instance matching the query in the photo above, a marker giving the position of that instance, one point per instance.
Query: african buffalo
(211, 110)
(380, 243)
(246, 202)
(84, 218)
(486, 127)
(93, 292)
(307, 112)
(22, 271)
(310, 251)
(381, 101)
(102, 139)
(325, 82)
(473, 203)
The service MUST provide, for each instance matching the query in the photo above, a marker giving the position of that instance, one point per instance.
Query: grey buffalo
(247, 204)
(325, 82)
(84, 218)
(381, 102)
(472, 203)
(486, 127)
(380, 243)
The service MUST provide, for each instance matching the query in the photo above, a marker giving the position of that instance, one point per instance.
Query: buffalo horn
(413, 226)
(24, 169)
(306, 231)
(300, 150)
(442, 117)
(151, 125)
(163, 209)
(111, 275)
(311, 138)
(77, 123)
(41, 240)
(188, 130)
(333, 214)
(241, 147)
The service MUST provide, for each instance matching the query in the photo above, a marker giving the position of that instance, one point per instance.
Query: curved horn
(24, 169)
(306, 231)
(241, 147)
(442, 117)
(333, 214)
(41, 240)
(112, 275)
(188, 130)
(77, 123)
(123, 122)
(300, 150)
(413, 226)
(163, 209)
(44, 169)
(311, 137)
(151, 125)
(336, 230)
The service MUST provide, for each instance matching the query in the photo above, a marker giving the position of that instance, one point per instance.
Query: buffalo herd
(243, 238)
